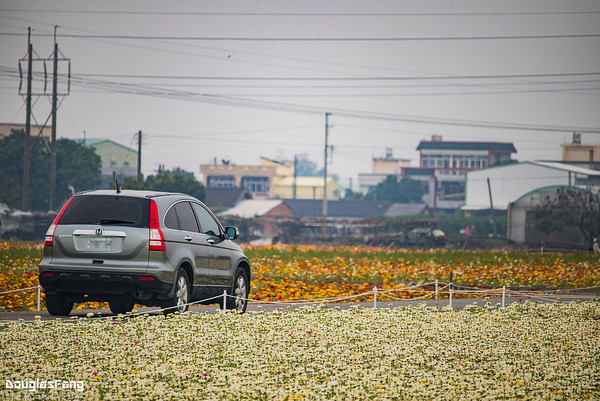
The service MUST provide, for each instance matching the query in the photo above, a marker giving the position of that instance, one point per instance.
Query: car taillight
(49, 240)
(157, 240)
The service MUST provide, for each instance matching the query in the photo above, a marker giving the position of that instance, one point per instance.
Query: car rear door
(187, 242)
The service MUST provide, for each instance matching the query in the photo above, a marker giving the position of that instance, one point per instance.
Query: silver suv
(140, 247)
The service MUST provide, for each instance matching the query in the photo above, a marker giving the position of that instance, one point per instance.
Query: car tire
(58, 304)
(120, 306)
(181, 296)
(238, 295)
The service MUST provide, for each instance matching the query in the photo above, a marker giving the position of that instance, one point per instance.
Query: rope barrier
(408, 299)
(385, 292)
(531, 296)
(19, 289)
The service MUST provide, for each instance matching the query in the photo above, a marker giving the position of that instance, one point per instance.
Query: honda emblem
(98, 231)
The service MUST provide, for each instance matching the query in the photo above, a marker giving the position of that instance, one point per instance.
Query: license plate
(100, 244)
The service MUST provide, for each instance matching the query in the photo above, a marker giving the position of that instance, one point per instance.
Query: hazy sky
(236, 80)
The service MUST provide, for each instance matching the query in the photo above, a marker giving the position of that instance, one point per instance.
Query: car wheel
(58, 304)
(179, 302)
(238, 298)
(120, 306)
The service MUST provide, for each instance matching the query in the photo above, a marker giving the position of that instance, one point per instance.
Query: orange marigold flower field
(299, 272)
(293, 272)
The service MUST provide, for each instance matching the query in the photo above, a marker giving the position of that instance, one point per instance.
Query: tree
(77, 169)
(401, 191)
(570, 206)
(166, 181)
(351, 195)
(306, 167)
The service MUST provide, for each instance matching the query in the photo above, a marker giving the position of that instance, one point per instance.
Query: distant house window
(126, 164)
(452, 188)
(220, 182)
(257, 185)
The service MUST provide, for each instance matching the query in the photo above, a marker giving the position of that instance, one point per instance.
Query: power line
(378, 78)
(223, 100)
(309, 39)
(287, 107)
(304, 14)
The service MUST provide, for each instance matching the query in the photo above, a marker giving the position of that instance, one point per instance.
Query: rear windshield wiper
(115, 221)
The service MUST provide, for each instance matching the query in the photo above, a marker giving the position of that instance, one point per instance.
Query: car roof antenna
(118, 187)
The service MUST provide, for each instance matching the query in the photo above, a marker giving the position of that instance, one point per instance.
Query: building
(442, 169)
(306, 188)
(506, 184)
(582, 155)
(270, 179)
(388, 165)
(219, 199)
(257, 180)
(264, 212)
(118, 161)
(353, 209)
(443, 166)
(381, 167)
(457, 157)
(7, 130)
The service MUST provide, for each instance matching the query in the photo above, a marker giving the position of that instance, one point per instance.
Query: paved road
(457, 303)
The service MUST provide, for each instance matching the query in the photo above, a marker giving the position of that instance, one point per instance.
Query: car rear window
(108, 210)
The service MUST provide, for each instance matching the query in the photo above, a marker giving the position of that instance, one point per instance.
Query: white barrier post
(503, 295)
(436, 289)
(450, 287)
(224, 300)
(374, 297)
(39, 295)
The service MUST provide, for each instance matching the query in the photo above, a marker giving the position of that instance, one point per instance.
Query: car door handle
(210, 241)
(187, 238)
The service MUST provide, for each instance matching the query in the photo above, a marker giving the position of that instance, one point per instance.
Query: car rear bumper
(91, 282)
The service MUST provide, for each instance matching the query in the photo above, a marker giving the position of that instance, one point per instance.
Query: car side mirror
(232, 233)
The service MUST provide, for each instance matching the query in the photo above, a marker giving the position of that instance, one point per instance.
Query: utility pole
(52, 202)
(27, 156)
(324, 226)
(491, 208)
(295, 175)
(139, 161)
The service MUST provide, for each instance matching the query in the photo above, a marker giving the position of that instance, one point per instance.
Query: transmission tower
(36, 71)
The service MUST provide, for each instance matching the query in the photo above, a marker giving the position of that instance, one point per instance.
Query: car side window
(208, 225)
(187, 220)
(171, 219)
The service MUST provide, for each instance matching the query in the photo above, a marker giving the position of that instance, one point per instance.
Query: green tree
(306, 167)
(570, 207)
(351, 195)
(401, 191)
(77, 169)
(176, 181)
